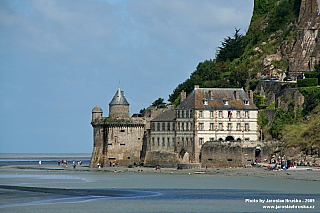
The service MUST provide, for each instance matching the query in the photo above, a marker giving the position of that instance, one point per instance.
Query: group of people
(65, 162)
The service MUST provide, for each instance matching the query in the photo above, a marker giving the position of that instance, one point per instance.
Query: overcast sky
(59, 59)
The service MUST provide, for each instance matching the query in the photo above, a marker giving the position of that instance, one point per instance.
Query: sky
(59, 59)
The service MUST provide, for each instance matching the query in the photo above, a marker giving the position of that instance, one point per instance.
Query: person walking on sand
(39, 162)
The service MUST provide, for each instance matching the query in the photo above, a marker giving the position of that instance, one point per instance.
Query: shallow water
(150, 192)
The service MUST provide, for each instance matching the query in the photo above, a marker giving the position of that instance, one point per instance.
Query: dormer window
(205, 102)
(246, 102)
(226, 102)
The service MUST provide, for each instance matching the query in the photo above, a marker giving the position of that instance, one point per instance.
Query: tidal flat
(52, 188)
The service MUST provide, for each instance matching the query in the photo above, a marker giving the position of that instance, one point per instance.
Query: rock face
(306, 50)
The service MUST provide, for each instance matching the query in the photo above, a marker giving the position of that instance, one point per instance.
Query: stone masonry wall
(215, 155)
(124, 144)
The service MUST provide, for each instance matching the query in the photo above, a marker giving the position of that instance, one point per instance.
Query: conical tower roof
(97, 109)
(119, 99)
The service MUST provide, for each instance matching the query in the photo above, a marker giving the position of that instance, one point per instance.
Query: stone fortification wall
(162, 158)
(215, 155)
(99, 146)
(124, 144)
(280, 93)
(287, 95)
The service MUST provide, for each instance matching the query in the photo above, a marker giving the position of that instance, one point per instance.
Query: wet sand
(300, 173)
(28, 187)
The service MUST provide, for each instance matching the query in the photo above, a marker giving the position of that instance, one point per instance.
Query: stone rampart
(215, 155)
(161, 158)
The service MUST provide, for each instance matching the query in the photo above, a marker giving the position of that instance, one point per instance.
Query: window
(205, 102)
(182, 126)
(153, 127)
(158, 126)
(200, 141)
(168, 141)
(229, 126)
(220, 114)
(158, 139)
(220, 126)
(163, 143)
(200, 126)
(246, 114)
(226, 102)
(152, 141)
(238, 126)
(187, 140)
(178, 114)
(168, 126)
(200, 114)
(246, 102)
(187, 114)
(246, 126)
(211, 126)
(211, 114)
(211, 139)
(182, 116)
(238, 114)
(163, 126)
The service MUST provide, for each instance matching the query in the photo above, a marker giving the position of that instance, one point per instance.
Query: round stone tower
(96, 113)
(119, 106)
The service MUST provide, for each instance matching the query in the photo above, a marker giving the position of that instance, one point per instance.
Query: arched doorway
(230, 138)
(257, 154)
(181, 153)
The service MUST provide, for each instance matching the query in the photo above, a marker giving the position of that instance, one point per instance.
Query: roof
(97, 109)
(216, 98)
(168, 115)
(119, 99)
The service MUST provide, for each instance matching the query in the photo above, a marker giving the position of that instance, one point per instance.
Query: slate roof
(97, 109)
(169, 115)
(119, 99)
(215, 98)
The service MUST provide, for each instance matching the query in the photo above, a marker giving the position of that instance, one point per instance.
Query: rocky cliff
(306, 49)
(289, 48)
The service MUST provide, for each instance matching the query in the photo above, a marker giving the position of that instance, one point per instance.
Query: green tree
(159, 103)
(259, 101)
(281, 119)
(262, 119)
(231, 48)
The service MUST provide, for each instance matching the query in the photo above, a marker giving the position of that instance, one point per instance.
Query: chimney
(183, 96)
(250, 95)
(236, 95)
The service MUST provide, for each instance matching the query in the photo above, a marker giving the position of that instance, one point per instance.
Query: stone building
(206, 115)
(119, 137)
(169, 136)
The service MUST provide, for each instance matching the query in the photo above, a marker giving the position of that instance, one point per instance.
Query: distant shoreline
(303, 173)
